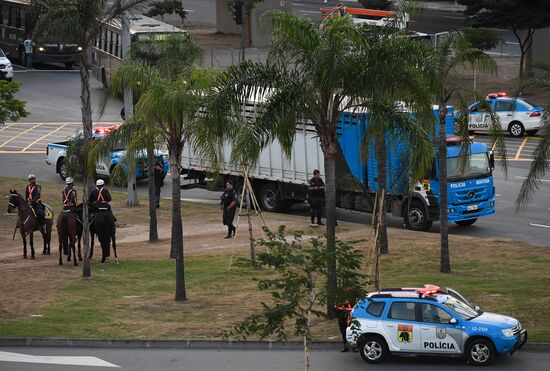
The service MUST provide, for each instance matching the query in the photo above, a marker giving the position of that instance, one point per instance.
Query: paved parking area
(517, 149)
(33, 137)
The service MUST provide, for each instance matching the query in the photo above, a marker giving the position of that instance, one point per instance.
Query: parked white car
(6, 69)
(515, 115)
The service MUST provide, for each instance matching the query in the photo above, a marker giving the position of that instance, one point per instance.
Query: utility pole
(133, 199)
(238, 17)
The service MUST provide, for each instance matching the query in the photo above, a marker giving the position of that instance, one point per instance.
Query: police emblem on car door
(440, 332)
(404, 333)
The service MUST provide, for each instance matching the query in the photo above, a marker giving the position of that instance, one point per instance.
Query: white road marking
(55, 360)
(539, 225)
(542, 180)
(498, 195)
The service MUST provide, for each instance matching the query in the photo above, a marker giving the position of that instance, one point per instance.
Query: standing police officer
(159, 175)
(69, 195)
(33, 192)
(228, 202)
(316, 197)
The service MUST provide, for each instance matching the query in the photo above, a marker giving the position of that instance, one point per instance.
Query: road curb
(194, 344)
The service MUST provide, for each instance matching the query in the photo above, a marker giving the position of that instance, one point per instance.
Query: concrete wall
(259, 34)
(541, 45)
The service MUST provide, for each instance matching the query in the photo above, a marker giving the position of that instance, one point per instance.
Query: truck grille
(472, 195)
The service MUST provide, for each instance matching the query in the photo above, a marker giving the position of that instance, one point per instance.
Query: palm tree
(169, 95)
(451, 55)
(540, 164)
(136, 135)
(398, 105)
(80, 21)
(309, 73)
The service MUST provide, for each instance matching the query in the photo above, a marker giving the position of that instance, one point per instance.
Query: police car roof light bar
(428, 289)
(497, 95)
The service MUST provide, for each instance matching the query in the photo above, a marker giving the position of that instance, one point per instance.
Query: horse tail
(64, 234)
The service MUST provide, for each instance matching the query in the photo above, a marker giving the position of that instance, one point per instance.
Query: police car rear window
(529, 103)
(375, 308)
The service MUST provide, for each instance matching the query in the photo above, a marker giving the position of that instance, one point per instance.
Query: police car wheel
(516, 129)
(480, 352)
(373, 349)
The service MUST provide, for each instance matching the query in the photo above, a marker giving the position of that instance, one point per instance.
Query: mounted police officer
(69, 195)
(99, 198)
(32, 196)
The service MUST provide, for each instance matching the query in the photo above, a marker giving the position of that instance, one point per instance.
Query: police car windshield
(460, 308)
(473, 166)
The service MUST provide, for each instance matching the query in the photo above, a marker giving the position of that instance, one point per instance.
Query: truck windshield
(474, 165)
(460, 308)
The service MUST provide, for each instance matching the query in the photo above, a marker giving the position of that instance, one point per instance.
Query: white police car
(515, 115)
(430, 321)
(6, 69)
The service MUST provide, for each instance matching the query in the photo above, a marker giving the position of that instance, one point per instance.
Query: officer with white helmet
(100, 197)
(69, 196)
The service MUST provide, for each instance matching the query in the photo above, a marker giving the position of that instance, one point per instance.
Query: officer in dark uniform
(32, 196)
(69, 195)
(316, 197)
(159, 176)
(99, 198)
(228, 202)
(344, 310)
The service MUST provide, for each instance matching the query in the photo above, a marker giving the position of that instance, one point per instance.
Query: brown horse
(69, 231)
(28, 223)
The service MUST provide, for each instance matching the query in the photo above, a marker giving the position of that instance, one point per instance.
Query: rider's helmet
(32, 176)
(99, 182)
(69, 180)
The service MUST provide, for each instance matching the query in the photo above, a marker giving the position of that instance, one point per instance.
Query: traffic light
(238, 12)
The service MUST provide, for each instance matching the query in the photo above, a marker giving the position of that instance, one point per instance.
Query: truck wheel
(269, 198)
(516, 129)
(62, 168)
(465, 223)
(373, 349)
(480, 352)
(416, 217)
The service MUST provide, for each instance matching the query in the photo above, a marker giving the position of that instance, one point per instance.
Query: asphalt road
(52, 99)
(254, 360)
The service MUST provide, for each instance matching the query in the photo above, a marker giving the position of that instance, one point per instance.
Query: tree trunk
(445, 264)
(250, 235)
(522, 52)
(176, 247)
(153, 233)
(330, 199)
(133, 199)
(86, 108)
(381, 161)
(306, 354)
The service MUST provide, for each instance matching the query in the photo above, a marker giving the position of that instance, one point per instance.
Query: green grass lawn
(135, 298)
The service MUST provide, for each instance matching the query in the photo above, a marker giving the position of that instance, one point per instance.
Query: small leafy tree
(161, 8)
(524, 17)
(299, 291)
(11, 108)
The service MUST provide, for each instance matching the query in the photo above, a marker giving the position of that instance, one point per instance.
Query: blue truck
(279, 181)
(471, 192)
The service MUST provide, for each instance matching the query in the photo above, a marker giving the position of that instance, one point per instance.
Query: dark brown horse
(69, 231)
(28, 223)
(104, 226)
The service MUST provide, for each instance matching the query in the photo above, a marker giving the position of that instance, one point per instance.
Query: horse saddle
(48, 212)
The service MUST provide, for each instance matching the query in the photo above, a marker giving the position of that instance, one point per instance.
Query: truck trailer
(279, 181)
